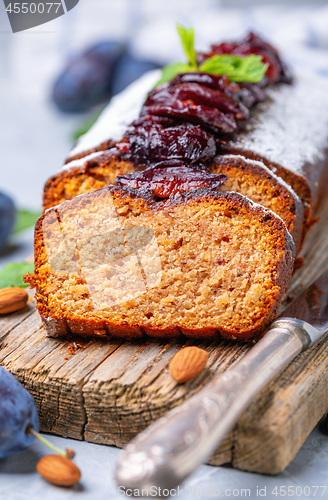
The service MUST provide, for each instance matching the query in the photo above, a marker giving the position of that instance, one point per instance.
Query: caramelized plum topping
(162, 120)
(242, 93)
(198, 94)
(216, 82)
(210, 118)
(247, 93)
(188, 118)
(151, 142)
(258, 43)
(253, 44)
(151, 139)
(171, 180)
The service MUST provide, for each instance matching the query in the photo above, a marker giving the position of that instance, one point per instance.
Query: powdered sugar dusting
(81, 161)
(290, 129)
(123, 109)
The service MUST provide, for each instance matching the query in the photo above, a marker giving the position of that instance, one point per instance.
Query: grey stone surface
(306, 477)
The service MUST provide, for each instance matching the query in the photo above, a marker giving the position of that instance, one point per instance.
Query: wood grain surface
(107, 392)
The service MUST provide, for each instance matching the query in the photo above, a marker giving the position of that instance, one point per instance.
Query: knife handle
(171, 448)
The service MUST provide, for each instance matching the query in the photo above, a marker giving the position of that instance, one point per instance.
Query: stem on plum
(68, 453)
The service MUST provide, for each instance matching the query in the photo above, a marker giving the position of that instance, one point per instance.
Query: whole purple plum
(7, 218)
(17, 412)
(86, 80)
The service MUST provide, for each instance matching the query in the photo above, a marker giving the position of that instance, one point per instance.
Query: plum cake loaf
(189, 117)
(127, 262)
(288, 132)
(183, 213)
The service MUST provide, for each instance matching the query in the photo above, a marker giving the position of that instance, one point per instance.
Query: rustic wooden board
(106, 392)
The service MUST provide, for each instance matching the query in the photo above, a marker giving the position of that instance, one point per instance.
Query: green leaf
(187, 40)
(253, 68)
(11, 274)
(239, 69)
(25, 219)
(172, 70)
(218, 63)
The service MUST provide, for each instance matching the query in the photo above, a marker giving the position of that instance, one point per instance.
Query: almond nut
(58, 470)
(187, 363)
(12, 299)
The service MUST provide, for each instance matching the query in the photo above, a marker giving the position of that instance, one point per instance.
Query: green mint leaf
(239, 69)
(171, 71)
(11, 274)
(25, 219)
(187, 40)
(218, 63)
(252, 68)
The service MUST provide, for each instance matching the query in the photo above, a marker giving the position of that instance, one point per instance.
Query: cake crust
(91, 174)
(256, 181)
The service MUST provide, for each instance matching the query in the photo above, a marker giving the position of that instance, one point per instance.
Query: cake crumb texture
(116, 263)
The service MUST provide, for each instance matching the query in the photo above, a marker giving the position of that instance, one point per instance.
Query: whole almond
(58, 470)
(12, 299)
(187, 363)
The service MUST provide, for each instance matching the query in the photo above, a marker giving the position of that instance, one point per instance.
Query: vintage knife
(170, 449)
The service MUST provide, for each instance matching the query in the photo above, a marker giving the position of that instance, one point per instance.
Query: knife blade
(171, 448)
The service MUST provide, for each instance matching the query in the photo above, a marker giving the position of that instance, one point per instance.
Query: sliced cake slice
(84, 175)
(256, 181)
(119, 262)
(248, 177)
